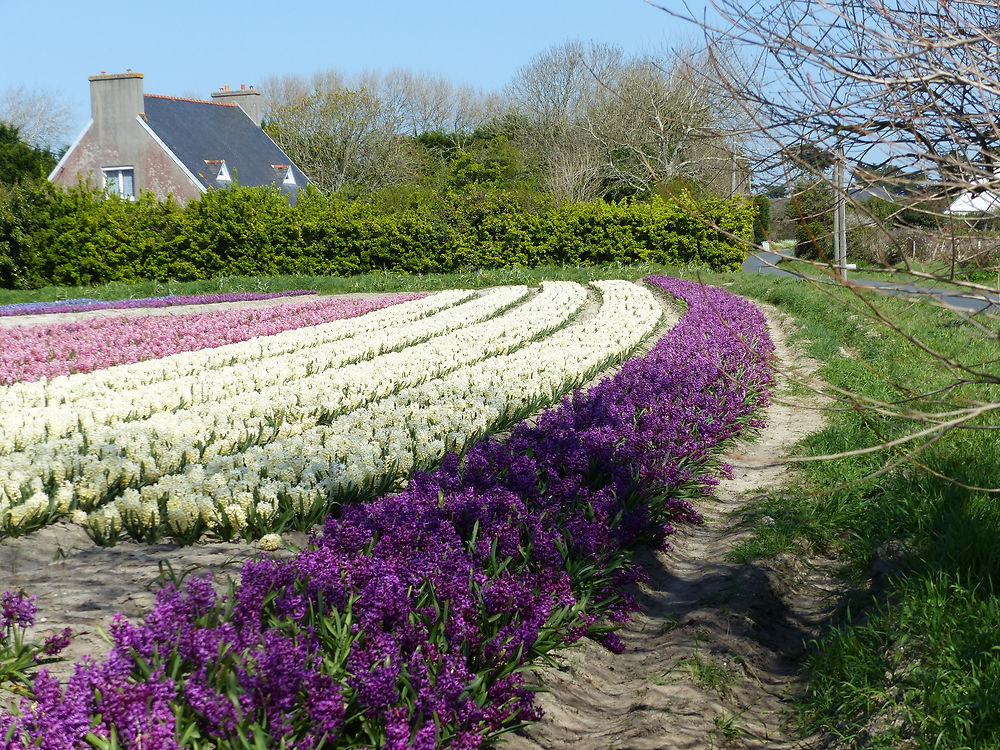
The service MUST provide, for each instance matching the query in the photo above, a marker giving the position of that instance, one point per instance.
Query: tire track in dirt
(712, 653)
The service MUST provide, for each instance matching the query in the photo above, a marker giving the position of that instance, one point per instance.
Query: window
(120, 181)
(218, 170)
(283, 173)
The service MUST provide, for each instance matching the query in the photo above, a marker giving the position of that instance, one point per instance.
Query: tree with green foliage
(497, 162)
(811, 207)
(762, 224)
(19, 160)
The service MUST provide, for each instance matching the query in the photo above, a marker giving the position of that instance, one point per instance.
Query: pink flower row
(35, 352)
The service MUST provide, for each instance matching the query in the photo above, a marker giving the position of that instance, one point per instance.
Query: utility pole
(840, 216)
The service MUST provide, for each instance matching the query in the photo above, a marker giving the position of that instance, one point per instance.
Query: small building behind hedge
(173, 146)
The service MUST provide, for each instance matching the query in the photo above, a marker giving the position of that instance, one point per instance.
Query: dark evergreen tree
(19, 160)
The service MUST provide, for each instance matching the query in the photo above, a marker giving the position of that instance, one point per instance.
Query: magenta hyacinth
(34, 352)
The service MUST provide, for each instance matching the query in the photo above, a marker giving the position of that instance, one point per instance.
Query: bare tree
(40, 114)
(663, 118)
(428, 103)
(550, 96)
(600, 121)
(903, 97)
(341, 138)
(281, 90)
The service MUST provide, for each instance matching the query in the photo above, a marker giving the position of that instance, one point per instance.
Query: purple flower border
(86, 305)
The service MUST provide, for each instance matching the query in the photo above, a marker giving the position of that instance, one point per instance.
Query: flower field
(35, 352)
(409, 621)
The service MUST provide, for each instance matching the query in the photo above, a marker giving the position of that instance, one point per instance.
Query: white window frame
(119, 173)
(289, 177)
(223, 175)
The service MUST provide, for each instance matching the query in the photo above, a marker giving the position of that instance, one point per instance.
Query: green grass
(371, 282)
(729, 726)
(706, 671)
(916, 661)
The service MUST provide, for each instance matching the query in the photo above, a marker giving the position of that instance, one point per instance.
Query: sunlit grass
(915, 662)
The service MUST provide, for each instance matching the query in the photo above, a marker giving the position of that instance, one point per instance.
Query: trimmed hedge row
(48, 236)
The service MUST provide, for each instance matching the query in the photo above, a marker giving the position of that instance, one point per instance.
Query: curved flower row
(28, 308)
(49, 409)
(165, 409)
(295, 476)
(29, 353)
(410, 621)
(86, 305)
(103, 454)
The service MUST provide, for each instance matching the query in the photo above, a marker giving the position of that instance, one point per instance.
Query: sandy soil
(712, 653)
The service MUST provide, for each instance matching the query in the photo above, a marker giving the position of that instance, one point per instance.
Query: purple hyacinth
(17, 610)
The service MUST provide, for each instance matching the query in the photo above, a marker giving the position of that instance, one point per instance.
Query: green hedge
(50, 236)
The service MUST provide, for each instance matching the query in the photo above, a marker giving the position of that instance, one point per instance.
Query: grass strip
(912, 660)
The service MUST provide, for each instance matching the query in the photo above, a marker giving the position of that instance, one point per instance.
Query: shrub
(762, 222)
(80, 236)
(811, 208)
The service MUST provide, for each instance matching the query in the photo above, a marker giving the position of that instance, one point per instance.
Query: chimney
(116, 99)
(246, 98)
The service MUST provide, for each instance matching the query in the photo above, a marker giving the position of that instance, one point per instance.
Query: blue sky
(188, 47)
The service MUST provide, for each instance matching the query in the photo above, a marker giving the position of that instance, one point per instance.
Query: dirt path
(712, 652)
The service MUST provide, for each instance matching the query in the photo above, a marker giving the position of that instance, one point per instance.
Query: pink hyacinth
(35, 352)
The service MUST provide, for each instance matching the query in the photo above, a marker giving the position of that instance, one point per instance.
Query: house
(977, 201)
(173, 146)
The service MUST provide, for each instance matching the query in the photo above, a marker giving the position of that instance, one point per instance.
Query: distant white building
(981, 201)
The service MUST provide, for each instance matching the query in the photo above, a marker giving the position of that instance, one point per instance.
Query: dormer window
(120, 181)
(217, 170)
(283, 174)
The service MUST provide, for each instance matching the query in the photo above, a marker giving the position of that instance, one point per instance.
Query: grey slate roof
(197, 131)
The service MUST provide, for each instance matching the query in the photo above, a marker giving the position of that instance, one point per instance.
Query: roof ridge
(196, 101)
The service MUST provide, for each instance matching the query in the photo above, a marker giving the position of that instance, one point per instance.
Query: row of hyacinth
(88, 305)
(31, 308)
(410, 620)
(32, 352)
